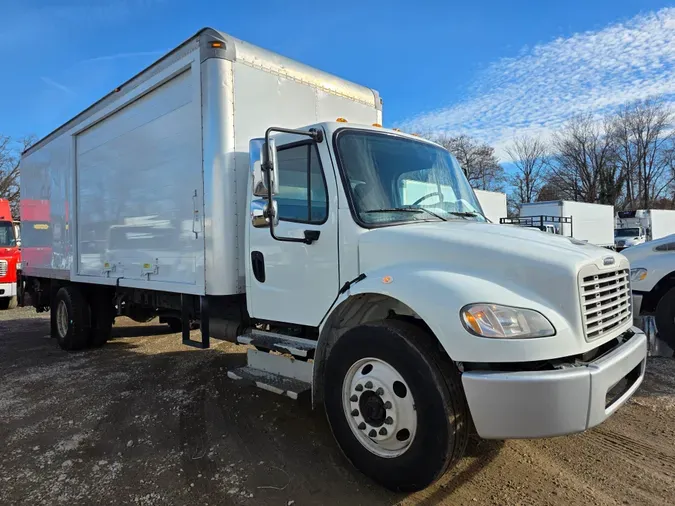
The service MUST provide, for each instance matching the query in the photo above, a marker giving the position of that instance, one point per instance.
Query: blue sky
(492, 69)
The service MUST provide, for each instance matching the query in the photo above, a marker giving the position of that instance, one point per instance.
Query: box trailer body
(233, 188)
(493, 204)
(198, 115)
(589, 222)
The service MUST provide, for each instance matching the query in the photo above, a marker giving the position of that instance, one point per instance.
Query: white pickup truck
(408, 316)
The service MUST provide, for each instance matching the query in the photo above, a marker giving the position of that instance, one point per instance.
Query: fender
(436, 295)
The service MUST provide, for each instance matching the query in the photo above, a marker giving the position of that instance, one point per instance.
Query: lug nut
(362, 426)
(380, 391)
(369, 384)
(387, 405)
(389, 420)
(353, 398)
(383, 431)
(359, 388)
(355, 412)
(372, 433)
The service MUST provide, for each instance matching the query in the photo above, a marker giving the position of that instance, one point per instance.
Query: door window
(302, 187)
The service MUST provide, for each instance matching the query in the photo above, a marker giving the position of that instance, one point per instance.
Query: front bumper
(532, 404)
(7, 289)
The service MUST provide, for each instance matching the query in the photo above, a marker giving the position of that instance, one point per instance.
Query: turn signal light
(216, 44)
(341, 120)
(377, 125)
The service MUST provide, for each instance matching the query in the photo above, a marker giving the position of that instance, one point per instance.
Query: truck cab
(628, 236)
(338, 243)
(9, 257)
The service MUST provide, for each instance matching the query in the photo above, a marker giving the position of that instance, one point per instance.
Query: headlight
(492, 320)
(638, 274)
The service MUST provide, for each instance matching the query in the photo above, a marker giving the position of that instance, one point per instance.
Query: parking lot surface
(145, 420)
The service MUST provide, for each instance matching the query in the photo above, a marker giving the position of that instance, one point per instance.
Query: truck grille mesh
(605, 301)
(3, 268)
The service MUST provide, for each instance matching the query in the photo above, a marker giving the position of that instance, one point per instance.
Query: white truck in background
(653, 286)
(637, 227)
(193, 192)
(583, 221)
(493, 204)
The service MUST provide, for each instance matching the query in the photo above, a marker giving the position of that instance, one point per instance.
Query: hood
(539, 266)
(646, 249)
(468, 243)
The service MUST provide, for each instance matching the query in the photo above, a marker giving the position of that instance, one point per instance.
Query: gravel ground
(145, 420)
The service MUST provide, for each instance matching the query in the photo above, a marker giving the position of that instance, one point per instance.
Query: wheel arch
(354, 310)
(651, 299)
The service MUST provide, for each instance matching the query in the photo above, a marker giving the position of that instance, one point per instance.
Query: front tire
(665, 318)
(395, 405)
(72, 318)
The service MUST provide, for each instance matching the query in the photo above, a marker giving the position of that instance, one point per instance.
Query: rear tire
(72, 318)
(388, 375)
(175, 324)
(665, 318)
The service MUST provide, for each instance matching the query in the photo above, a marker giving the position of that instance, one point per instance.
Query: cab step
(275, 373)
(296, 346)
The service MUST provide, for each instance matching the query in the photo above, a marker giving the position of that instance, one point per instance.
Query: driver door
(294, 282)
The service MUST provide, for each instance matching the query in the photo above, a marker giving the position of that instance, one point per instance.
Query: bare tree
(584, 166)
(478, 160)
(529, 157)
(644, 137)
(10, 153)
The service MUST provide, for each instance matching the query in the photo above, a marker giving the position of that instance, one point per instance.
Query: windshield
(394, 180)
(627, 232)
(7, 239)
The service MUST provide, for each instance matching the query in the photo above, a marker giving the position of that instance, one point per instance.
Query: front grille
(3, 268)
(605, 300)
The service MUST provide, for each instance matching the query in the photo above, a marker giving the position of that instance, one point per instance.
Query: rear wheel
(665, 318)
(175, 324)
(396, 407)
(72, 318)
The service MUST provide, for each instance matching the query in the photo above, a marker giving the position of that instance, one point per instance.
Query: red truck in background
(9, 257)
(37, 231)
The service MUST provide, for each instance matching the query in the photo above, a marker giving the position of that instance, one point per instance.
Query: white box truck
(493, 204)
(194, 193)
(584, 221)
(637, 227)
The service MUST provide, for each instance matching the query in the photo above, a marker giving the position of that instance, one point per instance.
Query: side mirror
(259, 153)
(260, 215)
(272, 176)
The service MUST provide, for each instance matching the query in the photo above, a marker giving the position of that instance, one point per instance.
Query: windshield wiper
(468, 214)
(407, 210)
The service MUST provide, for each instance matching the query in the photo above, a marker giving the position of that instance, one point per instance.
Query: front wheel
(395, 406)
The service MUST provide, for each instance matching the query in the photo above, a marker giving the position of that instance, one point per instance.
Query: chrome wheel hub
(379, 407)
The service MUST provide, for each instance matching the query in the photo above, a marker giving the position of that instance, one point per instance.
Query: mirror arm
(317, 136)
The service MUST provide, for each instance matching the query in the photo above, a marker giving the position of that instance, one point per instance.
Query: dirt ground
(145, 420)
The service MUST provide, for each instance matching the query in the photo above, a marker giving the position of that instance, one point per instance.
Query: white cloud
(591, 72)
(58, 86)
